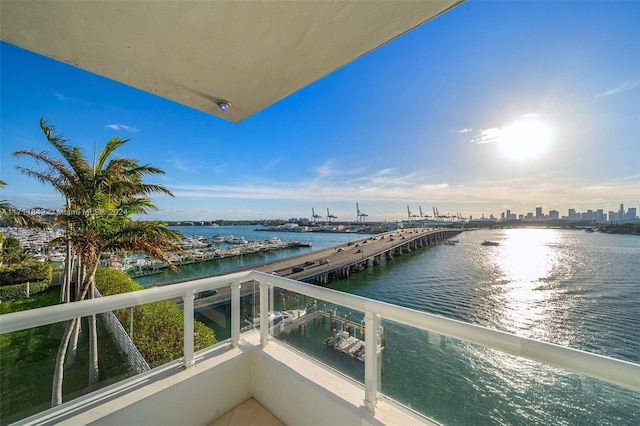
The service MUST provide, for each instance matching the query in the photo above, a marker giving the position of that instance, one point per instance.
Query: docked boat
(235, 240)
(280, 317)
(56, 256)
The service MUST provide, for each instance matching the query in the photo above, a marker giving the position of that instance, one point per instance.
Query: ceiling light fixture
(223, 106)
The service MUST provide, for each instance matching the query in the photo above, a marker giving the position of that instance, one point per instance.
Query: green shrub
(158, 326)
(26, 272)
(111, 281)
(17, 291)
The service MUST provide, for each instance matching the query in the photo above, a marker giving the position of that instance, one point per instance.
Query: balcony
(290, 367)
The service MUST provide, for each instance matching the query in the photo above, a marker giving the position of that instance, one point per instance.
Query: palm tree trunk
(68, 266)
(93, 343)
(68, 272)
(71, 358)
(58, 372)
(93, 335)
(73, 340)
(81, 275)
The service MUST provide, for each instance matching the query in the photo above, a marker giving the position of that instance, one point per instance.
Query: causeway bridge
(319, 267)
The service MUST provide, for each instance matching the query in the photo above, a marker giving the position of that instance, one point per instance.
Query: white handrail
(42, 316)
(611, 370)
(622, 373)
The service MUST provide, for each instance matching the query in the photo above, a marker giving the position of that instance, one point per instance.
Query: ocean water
(572, 288)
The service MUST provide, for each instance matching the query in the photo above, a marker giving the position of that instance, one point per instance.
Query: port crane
(421, 214)
(360, 217)
(330, 216)
(436, 214)
(411, 216)
(314, 216)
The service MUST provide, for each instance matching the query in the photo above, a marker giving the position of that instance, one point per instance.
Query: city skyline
(492, 106)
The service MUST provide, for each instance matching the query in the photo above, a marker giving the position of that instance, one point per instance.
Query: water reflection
(525, 260)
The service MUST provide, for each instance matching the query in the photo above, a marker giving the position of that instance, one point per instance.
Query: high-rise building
(539, 214)
(632, 213)
(554, 214)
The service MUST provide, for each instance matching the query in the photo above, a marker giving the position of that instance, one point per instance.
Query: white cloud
(123, 127)
(384, 184)
(64, 98)
(273, 163)
(329, 171)
(180, 164)
(494, 134)
(465, 130)
(619, 89)
(488, 135)
(324, 170)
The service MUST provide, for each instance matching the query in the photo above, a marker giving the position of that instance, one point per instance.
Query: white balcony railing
(622, 373)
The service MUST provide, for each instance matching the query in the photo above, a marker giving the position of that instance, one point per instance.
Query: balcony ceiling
(249, 53)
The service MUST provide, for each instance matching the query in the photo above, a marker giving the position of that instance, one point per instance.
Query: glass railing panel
(212, 309)
(329, 333)
(249, 306)
(455, 382)
(28, 360)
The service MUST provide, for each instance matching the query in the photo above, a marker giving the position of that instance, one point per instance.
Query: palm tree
(17, 217)
(99, 200)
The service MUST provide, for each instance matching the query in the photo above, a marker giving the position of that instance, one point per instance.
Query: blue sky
(429, 119)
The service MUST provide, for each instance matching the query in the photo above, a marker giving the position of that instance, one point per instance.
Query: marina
(198, 249)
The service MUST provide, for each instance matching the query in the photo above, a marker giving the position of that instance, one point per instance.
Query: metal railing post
(187, 304)
(264, 313)
(371, 360)
(235, 314)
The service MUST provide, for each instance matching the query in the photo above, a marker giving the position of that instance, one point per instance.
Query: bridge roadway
(340, 261)
(356, 255)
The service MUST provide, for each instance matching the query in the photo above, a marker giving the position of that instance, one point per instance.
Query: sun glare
(525, 140)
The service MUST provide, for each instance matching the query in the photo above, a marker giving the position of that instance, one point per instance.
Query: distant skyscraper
(621, 212)
(572, 214)
(554, 214)
(632, 213)
(539, 214)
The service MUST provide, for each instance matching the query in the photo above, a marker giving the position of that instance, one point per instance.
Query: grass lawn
(27, 360)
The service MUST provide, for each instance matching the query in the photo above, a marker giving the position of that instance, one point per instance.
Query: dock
(346, 336)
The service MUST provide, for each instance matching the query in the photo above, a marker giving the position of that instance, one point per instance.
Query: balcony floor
(249, 413)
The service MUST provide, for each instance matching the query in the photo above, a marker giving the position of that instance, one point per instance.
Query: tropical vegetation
(27, 362)
(158, 327)
(25, 278)
(100, 198)
(18, 217)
